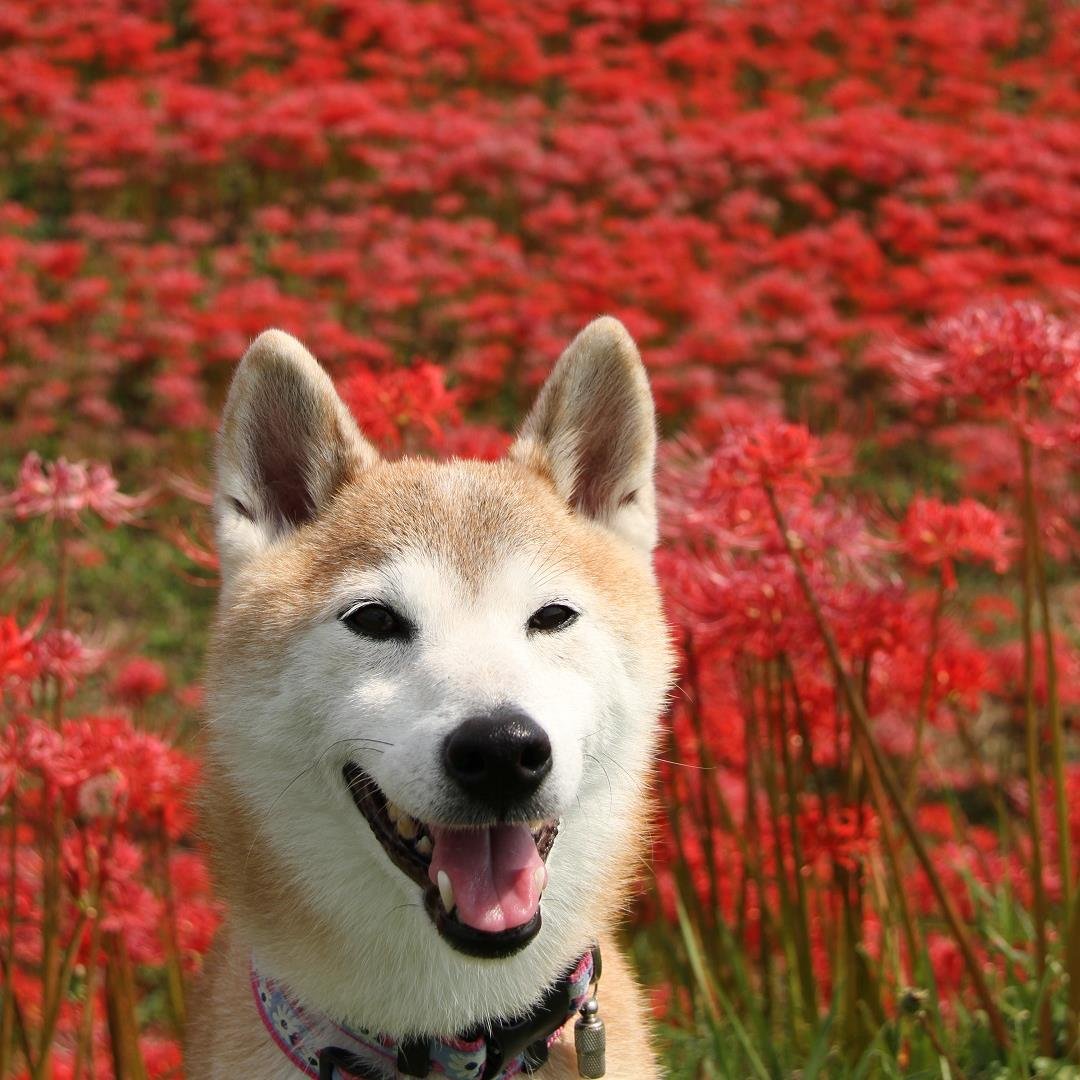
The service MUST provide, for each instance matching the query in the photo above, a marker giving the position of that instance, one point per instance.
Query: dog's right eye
(376, 621)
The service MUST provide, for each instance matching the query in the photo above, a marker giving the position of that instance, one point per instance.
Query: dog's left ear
(593, 432)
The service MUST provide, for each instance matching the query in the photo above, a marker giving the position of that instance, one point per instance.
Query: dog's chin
(410, 845)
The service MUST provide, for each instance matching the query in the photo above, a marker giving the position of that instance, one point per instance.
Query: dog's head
(435, 686)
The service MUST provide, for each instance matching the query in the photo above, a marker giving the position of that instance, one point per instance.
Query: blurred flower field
(845, 237)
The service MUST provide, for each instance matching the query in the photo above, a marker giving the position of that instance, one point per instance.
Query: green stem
(7, 1017)
(60, 612)
(120, 996)
(173, 967)
(7, 971)
(926, 687)
(772, 795)
(1032, 748)
(51, 959)
(754, 836)
(52, 1012)
(51, 884)
(84, 1048)
(1072, 966)
(1053, 696)
(1057, 736)
(692, 677)
(927, 1025)
(883, 783)
(802, 939)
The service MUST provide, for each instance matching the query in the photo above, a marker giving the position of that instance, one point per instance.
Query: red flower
(947, 963)
(775, 454)
(934, 533)
(64, 656)
(988, 353)
(62, 490)
(19, 659)
(139, 680)
(396, 408)
(843, 834)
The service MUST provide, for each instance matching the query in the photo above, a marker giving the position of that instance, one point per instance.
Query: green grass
(722, 1025)
(136, 597)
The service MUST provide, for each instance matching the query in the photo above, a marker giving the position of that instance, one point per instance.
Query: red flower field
(845, 237)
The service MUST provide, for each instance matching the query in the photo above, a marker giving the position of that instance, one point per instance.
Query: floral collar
(326, 1050)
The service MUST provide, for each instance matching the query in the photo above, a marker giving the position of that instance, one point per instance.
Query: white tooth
(407, 827)
(424, 845)
(540, 878)
(393, 811)
(446, 891)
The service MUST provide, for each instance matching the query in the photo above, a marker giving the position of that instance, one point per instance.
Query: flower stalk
(1032, 746)
(927, 684)
(883, 784)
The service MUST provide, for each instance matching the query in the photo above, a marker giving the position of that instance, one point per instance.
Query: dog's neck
(321, 1046)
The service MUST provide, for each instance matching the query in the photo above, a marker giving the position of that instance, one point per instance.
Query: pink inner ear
(593, 426)
(287, 432)
(281, 461)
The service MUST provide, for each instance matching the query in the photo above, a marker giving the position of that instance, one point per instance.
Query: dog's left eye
(376, 621)
(552, 617)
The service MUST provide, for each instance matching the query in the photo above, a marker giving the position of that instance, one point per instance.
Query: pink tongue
(493, 872)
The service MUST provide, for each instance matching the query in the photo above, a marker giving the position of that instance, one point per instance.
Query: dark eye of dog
(376, 621)
(552, 617)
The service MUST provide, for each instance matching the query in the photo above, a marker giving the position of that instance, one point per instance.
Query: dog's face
(435, 686)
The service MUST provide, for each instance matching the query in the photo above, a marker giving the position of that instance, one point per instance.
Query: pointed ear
(593, 432)
(287, 443)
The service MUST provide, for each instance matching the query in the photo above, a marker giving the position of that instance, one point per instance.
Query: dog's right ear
(287, 443)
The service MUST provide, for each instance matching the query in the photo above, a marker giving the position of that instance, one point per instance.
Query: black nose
(500, 758)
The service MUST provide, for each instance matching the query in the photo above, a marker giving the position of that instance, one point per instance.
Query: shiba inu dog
(434, 693)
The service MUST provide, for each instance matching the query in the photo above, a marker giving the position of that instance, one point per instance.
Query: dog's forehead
(485, 521)
(468, 515)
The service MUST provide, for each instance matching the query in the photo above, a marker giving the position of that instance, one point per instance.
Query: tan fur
(577, 486)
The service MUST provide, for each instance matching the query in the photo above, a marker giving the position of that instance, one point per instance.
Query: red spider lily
(769, 202)
(62, 491)
(483, 441)
(20, 661)
(934, 534)
(841, 836)
(199, 913)
(773, 454)
(64, 656)
(989, 353)
(139, 680)
(396, 408)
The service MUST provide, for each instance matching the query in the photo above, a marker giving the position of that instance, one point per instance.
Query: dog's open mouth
(482, 886)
